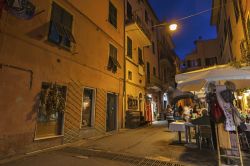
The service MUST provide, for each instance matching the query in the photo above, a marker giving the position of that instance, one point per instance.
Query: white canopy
(196, 80)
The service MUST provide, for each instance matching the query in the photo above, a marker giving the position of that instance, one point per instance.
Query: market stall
(221, 85)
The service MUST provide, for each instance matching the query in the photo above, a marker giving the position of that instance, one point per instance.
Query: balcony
(136, 27)
(154, 83)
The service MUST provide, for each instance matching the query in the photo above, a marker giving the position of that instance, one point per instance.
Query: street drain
(131, 160)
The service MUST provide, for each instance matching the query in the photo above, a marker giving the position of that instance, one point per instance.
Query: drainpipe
(124, 68)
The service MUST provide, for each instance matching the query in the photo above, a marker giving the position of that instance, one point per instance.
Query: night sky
(189, 29)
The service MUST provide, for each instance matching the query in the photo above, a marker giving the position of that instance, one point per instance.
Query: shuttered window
(113, 62)
(61, 26)
(112, 15)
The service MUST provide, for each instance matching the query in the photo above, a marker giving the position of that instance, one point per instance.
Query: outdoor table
(177, 127)
(182, 127)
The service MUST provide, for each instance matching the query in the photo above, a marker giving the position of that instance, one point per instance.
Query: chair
(205, 133)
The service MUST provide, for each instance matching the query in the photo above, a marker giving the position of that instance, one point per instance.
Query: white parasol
(196, 80)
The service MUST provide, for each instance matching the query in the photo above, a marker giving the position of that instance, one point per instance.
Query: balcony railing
(136, 19)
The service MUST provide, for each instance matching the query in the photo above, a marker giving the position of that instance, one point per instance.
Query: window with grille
(112, 15)
(60, 31)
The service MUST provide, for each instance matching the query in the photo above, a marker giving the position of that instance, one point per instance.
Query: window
(132, 103)
(129, 47)
(199, 62)
(211, 61)
(51, 110)
(60, 31)
(230, 30)
(140, 59)
(130, 75)
(236, 10)
(189, 63)
(153, 47)
(112, 15)
(148, 72)
(87, 107)
(154, 71)
(113, 63)
(146, 16)
(129, 11)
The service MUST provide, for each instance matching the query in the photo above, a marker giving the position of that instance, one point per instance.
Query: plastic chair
(204, 132)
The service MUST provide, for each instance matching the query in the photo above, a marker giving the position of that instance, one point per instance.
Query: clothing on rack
(226, 107)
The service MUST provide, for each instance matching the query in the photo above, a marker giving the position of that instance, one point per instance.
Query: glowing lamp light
(240, 97)
(173, 27)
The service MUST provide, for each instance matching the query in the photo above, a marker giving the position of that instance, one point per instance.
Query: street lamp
(173, 27)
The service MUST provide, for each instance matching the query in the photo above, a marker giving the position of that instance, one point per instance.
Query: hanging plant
(52, 100)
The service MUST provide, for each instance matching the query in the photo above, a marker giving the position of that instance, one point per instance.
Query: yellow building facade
(231, 20)
(72, 69)
(142, 72)
(61, 73)
(205, 54)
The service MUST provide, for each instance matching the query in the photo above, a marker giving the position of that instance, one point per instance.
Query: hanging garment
(226, 107)
(215, 112)
(224, 137)
(227, 96)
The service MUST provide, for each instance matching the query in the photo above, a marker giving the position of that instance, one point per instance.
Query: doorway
(111, 112)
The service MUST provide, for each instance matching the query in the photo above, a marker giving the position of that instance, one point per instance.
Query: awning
(196, 80)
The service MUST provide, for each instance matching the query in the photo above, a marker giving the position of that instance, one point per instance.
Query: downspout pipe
(124, 66)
